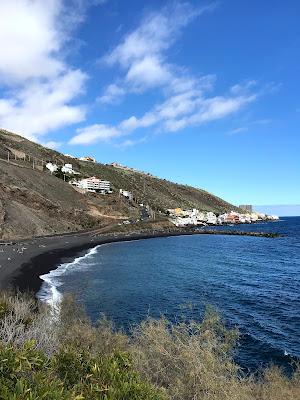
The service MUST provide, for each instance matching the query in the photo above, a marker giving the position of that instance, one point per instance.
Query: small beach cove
(252, 281)
(23, 261)
(53, 266)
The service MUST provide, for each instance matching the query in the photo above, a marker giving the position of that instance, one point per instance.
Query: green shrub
(102, 377)
(65, 357)
(28, 373)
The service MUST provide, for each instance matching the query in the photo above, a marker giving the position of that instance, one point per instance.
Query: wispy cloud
(238, 130)
(142, 59)
(141, 55)
(95, 133)
(113, 94)
(183, 110)
(131, 143)
(248, 125)
(52, 144)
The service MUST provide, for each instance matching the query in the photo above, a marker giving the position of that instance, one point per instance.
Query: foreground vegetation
(49, 357)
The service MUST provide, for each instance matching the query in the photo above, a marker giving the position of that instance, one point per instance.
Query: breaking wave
(49, 292)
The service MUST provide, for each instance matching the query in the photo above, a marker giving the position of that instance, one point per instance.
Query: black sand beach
(22, 262)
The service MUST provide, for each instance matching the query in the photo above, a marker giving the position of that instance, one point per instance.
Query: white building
(273, 217)
(126, 194)
(87, 158)
(69, 156)
(261, 216)
(211, 218)
(67, 169)
(254, 217)
(184, 221)
(93, 184)
(52, 167)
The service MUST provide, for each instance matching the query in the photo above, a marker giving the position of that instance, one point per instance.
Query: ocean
(253, 282)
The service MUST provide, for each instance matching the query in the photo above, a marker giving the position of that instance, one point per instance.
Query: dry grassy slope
(35, 203)
(159, 193)
(10, 141)
(32, 203)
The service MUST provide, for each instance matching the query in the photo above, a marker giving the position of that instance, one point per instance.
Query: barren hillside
(32, 202)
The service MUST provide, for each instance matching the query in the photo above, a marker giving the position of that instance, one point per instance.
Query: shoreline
(23, 262)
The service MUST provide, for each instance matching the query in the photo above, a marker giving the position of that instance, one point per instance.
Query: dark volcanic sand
(22, 262)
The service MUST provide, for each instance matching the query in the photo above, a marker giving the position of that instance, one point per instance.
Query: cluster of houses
(180, 217)
(126, 194)
(125, 168)
(91, 184)
(66, 168)
(86, 158)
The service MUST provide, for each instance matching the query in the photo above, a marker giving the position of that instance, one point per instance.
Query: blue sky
(203, 93)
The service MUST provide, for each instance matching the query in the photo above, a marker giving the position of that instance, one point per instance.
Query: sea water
(253, 282)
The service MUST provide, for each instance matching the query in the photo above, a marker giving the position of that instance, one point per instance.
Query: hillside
(32, 202)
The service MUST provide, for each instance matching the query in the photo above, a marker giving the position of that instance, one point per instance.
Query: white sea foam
(49, 292)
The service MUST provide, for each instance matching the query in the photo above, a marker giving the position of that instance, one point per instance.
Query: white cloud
(131, 142)
(38, 86)
(238, 130)
(52, 144)
(42, 107)
(177, 112)
(249, 125)
(148, 72)
(28, 34)
(241, 88)
(194, 111)
(142, 59)
(95, 133)
(113, 94)
(219, 107)
(155, 34)
(132, 123)
(141, 54)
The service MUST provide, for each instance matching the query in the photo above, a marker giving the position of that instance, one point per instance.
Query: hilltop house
(52, 167)
(126, 194)
(68, 169)
(93, 184)
(69, 156)
(87, 158)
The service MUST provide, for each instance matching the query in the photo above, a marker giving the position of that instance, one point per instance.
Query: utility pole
(144, 190)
